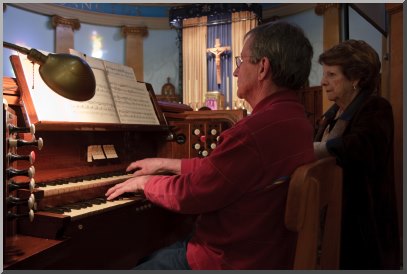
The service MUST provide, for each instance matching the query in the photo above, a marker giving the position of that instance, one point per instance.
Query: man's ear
(264, 68)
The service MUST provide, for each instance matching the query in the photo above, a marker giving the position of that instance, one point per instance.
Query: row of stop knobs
(211, 140)
(11, 173)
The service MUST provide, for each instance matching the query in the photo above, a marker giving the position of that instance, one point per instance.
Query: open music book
(119, 98)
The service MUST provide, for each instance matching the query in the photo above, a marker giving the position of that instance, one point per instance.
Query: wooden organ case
(55, 214)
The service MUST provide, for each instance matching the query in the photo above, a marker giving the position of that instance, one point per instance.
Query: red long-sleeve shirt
(241, 208)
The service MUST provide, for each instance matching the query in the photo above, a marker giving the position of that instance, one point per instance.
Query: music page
(100, 108)
(50, 106)
(131, 98)
(119, 98)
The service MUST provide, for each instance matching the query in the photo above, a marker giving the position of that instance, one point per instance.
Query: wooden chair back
(313, 209)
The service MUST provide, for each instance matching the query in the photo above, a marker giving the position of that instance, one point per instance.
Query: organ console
(56, 215)
(55, 212)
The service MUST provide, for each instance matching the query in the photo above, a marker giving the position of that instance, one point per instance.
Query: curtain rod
(218, 22)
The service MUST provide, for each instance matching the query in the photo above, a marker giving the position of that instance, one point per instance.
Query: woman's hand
(134, 184)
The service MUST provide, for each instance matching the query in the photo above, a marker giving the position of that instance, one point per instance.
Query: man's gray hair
(288, 50)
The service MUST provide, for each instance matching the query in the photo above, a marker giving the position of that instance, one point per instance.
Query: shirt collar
(282, 95)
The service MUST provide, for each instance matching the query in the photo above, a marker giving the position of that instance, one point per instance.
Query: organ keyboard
(74, 184)
(83, 209)
(73, 226)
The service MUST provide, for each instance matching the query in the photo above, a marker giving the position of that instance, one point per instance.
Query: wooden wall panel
(395, 12)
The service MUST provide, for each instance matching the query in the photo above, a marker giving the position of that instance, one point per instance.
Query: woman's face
(338, 88)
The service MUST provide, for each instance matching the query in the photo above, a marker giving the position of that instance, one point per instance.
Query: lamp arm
(32, 54)
(15, 47)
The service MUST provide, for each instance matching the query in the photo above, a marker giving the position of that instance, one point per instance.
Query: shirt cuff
(320, 150)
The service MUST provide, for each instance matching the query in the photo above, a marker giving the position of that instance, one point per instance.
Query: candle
(187, 93)
(227, 89)
(196, 91)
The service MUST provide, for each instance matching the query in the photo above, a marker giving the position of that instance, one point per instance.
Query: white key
(96, 209)
(70, 187)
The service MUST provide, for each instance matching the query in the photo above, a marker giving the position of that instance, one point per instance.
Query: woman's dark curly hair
(358, 60)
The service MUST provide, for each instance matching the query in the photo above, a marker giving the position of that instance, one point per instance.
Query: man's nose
(235, 71)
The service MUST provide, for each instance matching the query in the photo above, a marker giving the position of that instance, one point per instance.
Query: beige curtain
(194, 61)
(242, 22)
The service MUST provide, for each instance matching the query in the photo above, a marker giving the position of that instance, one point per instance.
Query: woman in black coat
(358, 131)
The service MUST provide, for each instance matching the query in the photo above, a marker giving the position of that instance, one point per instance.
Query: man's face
(246, 73)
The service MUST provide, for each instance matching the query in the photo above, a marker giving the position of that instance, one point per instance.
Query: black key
(105, 175)
(95, 201)
(65, 209)
(73, 206)
(54, 210)
(73, 180)
(60, 182)
(86, 203)
(101, 199)
(81, 205)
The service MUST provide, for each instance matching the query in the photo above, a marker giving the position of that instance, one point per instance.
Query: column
(65, 28)
(331, 34)
(134, 54)
(395, 96)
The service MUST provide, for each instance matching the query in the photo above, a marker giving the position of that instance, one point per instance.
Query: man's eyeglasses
(239, 60)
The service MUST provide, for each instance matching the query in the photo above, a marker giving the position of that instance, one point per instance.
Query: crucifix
(217, 51)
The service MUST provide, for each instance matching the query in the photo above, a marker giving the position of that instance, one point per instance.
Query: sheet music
(119, 98)
(121, 71)
(100, 109)
(50, 106)
(132, 99)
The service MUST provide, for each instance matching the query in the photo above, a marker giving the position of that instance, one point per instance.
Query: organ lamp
(67, 75)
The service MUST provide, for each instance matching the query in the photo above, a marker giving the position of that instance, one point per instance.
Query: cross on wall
(217, 51)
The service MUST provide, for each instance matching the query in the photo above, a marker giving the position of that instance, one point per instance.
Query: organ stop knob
(19, 143)
(11, 157)
(12, 172)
